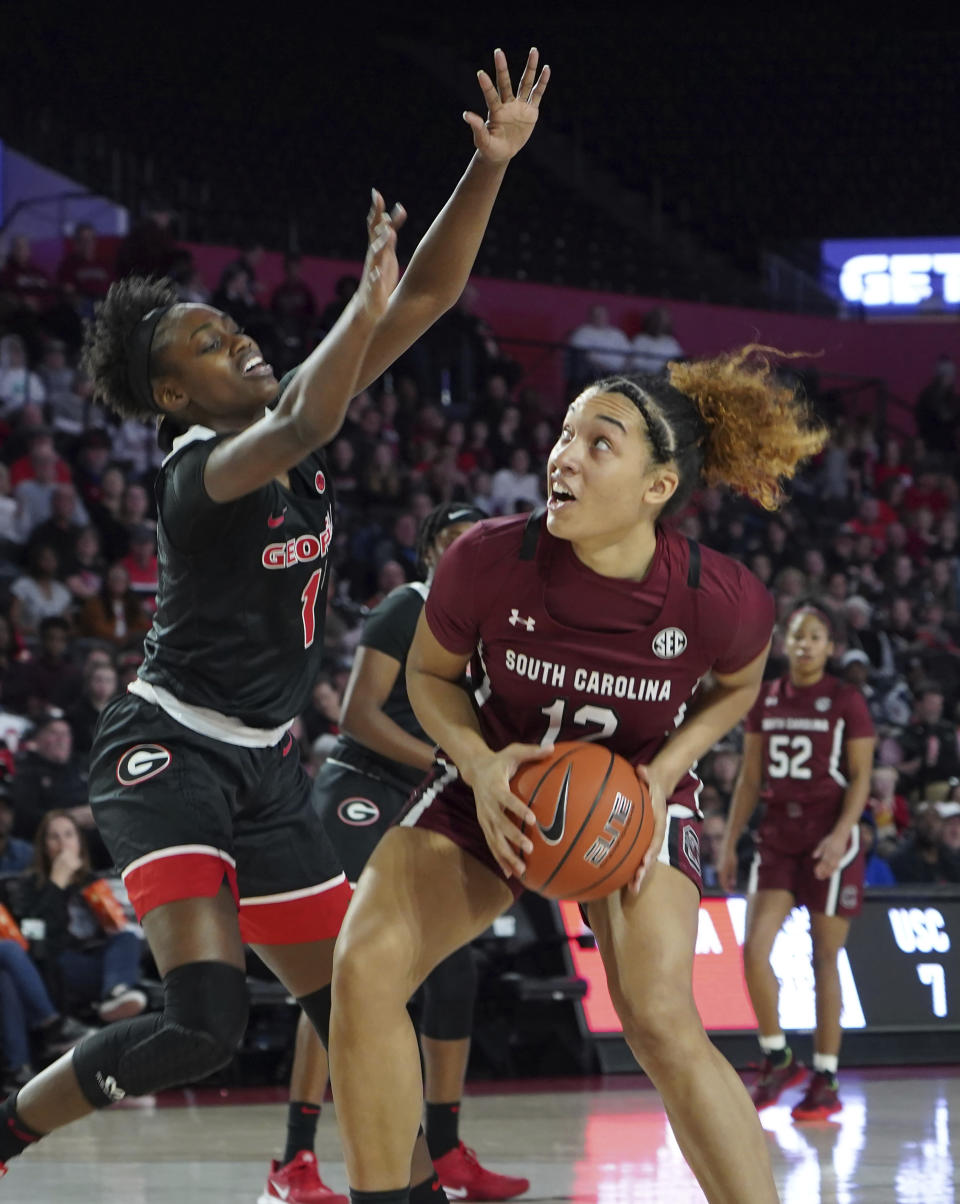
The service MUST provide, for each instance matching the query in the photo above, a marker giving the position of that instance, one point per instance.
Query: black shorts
(356, 809)
(181, 812)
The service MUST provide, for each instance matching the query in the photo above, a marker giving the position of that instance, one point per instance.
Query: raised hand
(510, 119)
(380, 268)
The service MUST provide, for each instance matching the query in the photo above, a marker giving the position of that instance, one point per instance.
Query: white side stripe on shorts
(674, 811)
(429, 795)
(834, 892)
(179, 850)
(288, 896)
(754, 874)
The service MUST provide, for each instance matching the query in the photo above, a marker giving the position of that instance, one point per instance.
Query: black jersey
(240, 609)
(390, 629)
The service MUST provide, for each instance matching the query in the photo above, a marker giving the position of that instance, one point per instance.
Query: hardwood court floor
(594, 1140)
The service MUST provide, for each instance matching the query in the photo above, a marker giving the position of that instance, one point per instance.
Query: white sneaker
(123, 1003)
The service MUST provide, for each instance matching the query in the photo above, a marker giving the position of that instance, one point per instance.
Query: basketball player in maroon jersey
(195, 783)
(808, 753)
(593, 621)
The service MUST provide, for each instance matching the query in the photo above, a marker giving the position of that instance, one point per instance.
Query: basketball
(594, 821)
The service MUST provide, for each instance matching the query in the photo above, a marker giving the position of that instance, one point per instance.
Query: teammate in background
(808, 753)
(381, 755)
(597, 621)
(202, 806)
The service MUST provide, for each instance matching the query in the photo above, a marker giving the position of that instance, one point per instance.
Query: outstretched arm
(441, 264)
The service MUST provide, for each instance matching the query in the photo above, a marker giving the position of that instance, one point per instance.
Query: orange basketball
(594, 821)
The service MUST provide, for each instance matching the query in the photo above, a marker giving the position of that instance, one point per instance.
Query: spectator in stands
(116, 614)
(235, 295)
(294, 308)
(67, 519)
(381, 485)
(107, 513)
(23, 283)
(516, 487)
(141, 564)
(34, 463)
(929, 743)
(950, 814)
(595, 349)
(401, 546)
(86, 271)
(84, 569)
(18, 384)
(390, 576)
(65, 405)
(39, 594)
(15, 854)
(343, 290)
(938, 407)
(150, 249)
(97, 963)
(655, 344)
(29, 1020)
(134, 508)
(877, 871)
(924, 857)
(93, 456)
(463, 353)
(100, 684)
(49, 679)
(47, 777)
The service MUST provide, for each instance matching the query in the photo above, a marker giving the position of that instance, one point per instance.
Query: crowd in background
(871, 534)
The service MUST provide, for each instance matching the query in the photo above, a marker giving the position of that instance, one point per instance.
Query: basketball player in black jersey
(194, 780)
(381, 755)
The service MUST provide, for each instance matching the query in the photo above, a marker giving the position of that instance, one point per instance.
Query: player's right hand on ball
(496, 804)
(381, 271)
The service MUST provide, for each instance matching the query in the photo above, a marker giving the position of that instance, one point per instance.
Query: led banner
(894, 273)
(900, 969)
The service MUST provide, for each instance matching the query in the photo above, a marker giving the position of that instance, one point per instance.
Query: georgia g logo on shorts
(142, 762)
(358, 812)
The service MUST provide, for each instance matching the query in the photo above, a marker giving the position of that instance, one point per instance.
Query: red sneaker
(820, 1100)
(299, 1182)
(773, 1081)
(463, 1178)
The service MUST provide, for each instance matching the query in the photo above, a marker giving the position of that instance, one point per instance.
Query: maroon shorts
(839, 895)
(444, 803)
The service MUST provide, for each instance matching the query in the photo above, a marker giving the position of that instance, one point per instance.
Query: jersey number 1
(309, 611)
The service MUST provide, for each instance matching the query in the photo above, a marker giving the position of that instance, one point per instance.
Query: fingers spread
(490, 94)
(525, 86)
(541, 86)
(504, 87)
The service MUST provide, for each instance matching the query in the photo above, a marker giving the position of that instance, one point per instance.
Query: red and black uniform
(561, 653)
(195, 777)
(804, 730)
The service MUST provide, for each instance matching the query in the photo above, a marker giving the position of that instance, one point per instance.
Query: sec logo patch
(142, 762)
(358, 812)
(669, 642)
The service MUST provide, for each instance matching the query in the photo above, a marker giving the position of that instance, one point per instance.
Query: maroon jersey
(804, 731)
(561, 653)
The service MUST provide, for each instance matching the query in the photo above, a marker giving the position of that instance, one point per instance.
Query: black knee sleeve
(448, 997)
(316, 1008)
(205, 1009)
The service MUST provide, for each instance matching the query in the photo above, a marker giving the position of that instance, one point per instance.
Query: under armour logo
(515, 621)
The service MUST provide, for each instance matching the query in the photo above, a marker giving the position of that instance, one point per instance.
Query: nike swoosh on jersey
(554, 834)
(277, 520)
(458, 1193)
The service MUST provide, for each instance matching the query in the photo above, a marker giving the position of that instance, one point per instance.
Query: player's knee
(449, 993)
(658, 1024)
(203, 1021)
(824, 962)
(370, 965)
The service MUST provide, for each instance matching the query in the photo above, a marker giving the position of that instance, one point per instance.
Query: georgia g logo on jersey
(142, 762)
(358, 812)
(669, 642)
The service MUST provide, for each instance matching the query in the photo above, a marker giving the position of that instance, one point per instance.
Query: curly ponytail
(758, 430)
(724, 421)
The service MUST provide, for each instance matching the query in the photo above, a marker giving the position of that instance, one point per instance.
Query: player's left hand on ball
(829, 853)
(658, 800)
(510, 119)
(502, 816)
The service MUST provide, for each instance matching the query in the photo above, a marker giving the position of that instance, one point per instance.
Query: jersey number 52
(789, 756)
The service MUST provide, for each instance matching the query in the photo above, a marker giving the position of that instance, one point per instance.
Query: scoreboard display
(900, 971)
